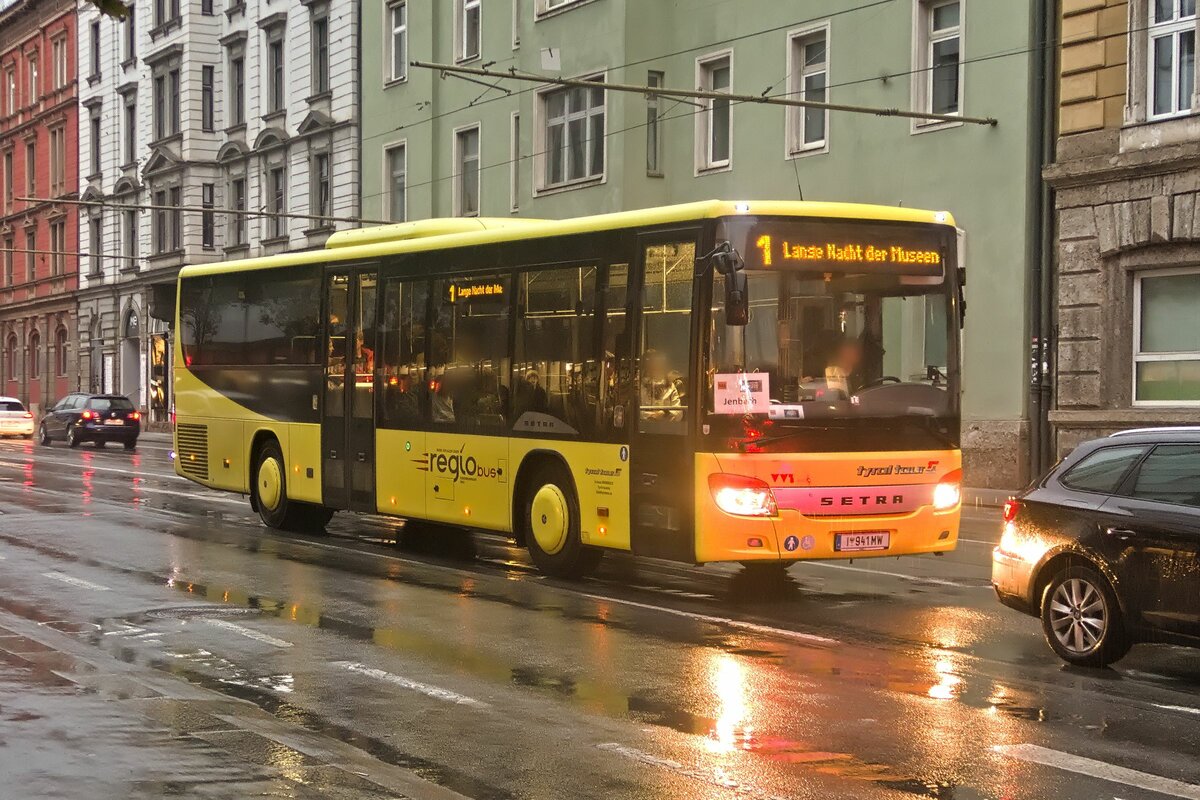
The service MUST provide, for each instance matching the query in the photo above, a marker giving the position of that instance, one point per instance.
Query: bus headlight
(742, 496)
(948, 493)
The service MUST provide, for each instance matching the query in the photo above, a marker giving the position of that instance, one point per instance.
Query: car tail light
(948, 493)
(87, 415)
(28, 415)
(1012, 506)
(742, 496)
(135, 415)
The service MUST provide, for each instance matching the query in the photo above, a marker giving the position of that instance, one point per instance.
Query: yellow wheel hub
(270, 484)
(550, 519)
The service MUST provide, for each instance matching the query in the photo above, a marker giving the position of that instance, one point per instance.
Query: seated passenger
(657, 393)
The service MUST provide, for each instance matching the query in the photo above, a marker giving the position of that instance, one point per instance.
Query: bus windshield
(833, 338)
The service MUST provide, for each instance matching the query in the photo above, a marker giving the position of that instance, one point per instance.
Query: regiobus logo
(457, 465)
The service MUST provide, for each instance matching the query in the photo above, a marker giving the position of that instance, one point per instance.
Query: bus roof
(438, 234)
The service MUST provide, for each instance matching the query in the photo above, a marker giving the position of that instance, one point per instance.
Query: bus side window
(403, 331)
(555, 381)
(469, 361)
(617, 367)
(666, 332)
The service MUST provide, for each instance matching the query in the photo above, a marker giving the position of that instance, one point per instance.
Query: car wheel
(131, 445)
(72, 438)
(550, 519)
(43, 435)
(271, 500)
(1082, 619)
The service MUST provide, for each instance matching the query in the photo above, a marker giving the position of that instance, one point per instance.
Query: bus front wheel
(271, 500)
(550, 517)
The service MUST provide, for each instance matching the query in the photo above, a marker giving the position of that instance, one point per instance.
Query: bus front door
(348, 403)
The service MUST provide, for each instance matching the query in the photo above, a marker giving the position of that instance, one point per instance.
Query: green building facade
(436, 145)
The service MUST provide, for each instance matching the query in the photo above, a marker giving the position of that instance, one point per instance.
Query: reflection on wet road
(155, 639)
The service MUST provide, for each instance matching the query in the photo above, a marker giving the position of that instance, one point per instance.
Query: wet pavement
(155, 641)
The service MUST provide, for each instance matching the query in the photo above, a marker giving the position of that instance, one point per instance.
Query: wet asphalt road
(155, 640)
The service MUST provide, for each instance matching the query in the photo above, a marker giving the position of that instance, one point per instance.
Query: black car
(1106, 547)
(98, 418)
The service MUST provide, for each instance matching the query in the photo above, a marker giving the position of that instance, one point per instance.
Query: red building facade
(39, 240)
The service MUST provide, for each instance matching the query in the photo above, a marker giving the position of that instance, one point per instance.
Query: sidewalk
(986, 498)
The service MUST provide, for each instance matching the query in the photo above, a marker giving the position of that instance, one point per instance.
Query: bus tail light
(948, 493)
(742, 496)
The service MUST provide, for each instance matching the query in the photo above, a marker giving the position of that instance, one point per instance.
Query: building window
(466, 160)
(514, 164)
(130, 129)
(8, 179)
(237, 89)
(60, 352)
(166, 104)
(275, 79)
(809, 79)
(34, 83)
(10, 356)
(10, 91)
(715, 122)
(96, 139)
(130, 234)
(397, 167)
(95, 241)
(62, 69)
(58, 244)
(35, 356)
(546, 6)
(207, 100)
(320, 54)
(574, 135)
(237, 221)
(398, 42)
(939, 57)
(130, 35)
(206, 7)
(1166, 354)
(165, 11)
(276, 203)
(468, 29)
(654, 80)
(31, 254)
(322, 192)
(95, 51)
(58, 161)
(208, 217)
(167, 221)
(1172, 72)
(8, 261)
(31, 168)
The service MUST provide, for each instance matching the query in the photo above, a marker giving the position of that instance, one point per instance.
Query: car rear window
(110, 404)
(1103, 470)
(11, 405)
(1171, 474)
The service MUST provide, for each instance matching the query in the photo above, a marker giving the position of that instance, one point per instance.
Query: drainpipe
(1042, 129)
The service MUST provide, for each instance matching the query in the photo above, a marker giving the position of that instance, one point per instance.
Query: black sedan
(1106, 547)
(98, 418)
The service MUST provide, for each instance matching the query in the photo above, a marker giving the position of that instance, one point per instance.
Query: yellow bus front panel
(831, 505)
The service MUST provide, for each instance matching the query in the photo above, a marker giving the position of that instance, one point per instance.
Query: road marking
(436, 692)
(1099, 769)
(248, 632)
(901, 575)
(733, 623)
(73, 581)
(1184, 709)
(718, 778)
(216, 497)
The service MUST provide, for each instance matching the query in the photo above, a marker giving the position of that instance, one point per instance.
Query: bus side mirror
(737, 299)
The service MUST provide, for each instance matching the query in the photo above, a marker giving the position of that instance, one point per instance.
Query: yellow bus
(757, 382)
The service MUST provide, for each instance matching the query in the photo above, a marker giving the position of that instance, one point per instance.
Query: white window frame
(1139, 357)
(32, 72)
(705, 164)
(314, 181)
(922, 61)
(390, 32)
(794, 143)
(1173, 29)
(459, 172)
(62, 74)
(275, 182)
(541, 150)
(514, 162)
(388, 149)
(549, 8)
(322, 80)
(655, 79)
(461, 9)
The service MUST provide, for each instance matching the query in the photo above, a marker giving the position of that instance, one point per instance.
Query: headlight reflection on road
(947, 686)
(730, 732)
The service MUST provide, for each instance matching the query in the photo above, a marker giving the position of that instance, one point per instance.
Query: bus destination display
(846, 248)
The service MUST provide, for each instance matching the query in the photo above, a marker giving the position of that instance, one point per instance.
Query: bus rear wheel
(550, 522)
(271, 500)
